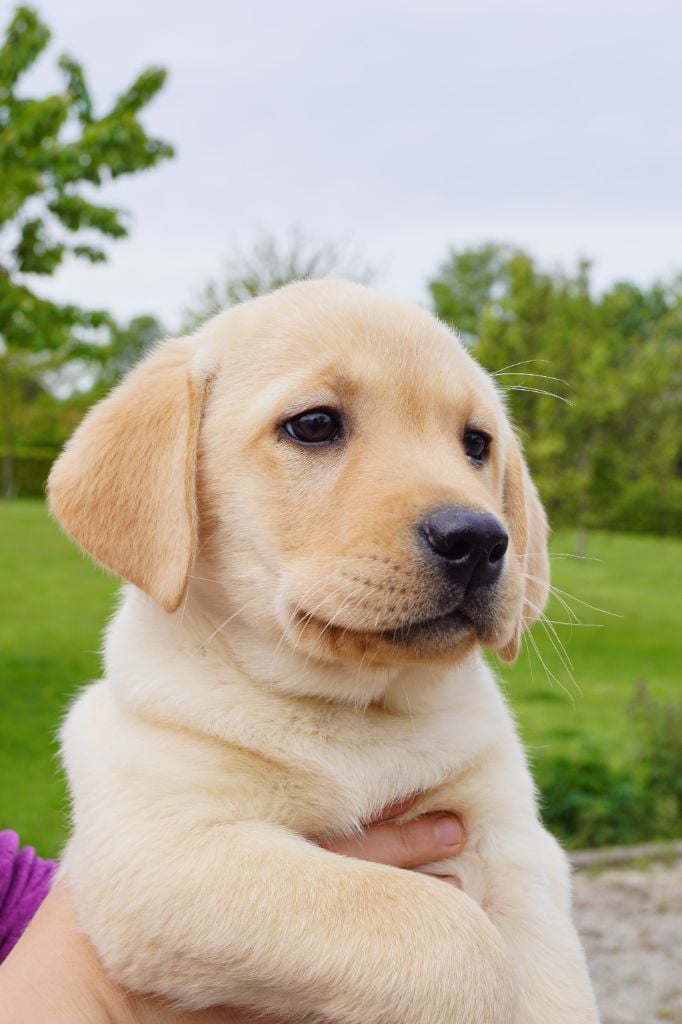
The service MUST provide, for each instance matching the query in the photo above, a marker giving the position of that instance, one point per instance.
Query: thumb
(408, 844)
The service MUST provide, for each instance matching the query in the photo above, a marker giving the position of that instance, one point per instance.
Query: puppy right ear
(124, 486)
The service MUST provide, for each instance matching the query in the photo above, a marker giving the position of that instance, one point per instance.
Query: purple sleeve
(24, 883)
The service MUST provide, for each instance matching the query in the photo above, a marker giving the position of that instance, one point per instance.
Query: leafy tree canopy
(594, 381)
(55, 152)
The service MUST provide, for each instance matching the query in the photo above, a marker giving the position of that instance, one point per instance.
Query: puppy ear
(528, 529)
(124, 486)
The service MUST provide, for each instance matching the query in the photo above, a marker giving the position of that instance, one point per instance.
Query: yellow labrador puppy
(324, 515)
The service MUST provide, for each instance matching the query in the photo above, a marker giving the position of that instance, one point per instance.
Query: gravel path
(630, 919)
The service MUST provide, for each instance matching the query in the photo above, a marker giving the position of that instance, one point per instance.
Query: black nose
(471, 545)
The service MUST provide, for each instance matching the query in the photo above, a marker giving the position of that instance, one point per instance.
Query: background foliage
(55, 152)
(270, 264)
(594, 382)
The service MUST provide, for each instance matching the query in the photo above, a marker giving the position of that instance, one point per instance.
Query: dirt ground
(630, 919)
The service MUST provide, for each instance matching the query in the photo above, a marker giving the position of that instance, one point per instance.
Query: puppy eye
(318, 426)
(476, 445)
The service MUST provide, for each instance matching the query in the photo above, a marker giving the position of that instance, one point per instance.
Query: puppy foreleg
(553, 983)
(251, 915)
(531, 908)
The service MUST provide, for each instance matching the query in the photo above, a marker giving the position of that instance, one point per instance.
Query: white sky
(400, 127)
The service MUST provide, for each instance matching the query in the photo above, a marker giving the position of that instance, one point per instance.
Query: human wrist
(53, 975)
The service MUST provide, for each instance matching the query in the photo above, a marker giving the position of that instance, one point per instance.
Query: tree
(594, 382)
(467, 282)
(128, 343)
(270, 264)
(54, 153)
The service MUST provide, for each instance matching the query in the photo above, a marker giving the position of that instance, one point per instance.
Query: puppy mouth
(449, 626)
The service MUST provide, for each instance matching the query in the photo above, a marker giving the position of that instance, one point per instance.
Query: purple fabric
(24, 883)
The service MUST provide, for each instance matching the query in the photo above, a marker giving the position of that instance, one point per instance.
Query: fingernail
(448, 831)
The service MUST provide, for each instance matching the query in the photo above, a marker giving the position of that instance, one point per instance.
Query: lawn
(54, 604)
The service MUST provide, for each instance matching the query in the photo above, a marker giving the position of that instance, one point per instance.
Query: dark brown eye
(476, 445)
(318, 426)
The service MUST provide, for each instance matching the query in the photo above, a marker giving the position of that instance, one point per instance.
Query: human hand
(53, 975)
(410, 844)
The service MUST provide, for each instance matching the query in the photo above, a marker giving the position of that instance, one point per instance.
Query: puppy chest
(335, 775)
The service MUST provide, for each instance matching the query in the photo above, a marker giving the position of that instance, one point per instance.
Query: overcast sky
(400, 127)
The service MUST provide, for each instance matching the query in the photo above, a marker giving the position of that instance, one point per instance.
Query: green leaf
(26, 38)
(35, 252)
(77, 87)
(51, 146)
(90, 253)
(139, 94)
(75, 213)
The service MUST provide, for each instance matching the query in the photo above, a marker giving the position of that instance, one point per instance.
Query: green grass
(54, 604)
(636, 580)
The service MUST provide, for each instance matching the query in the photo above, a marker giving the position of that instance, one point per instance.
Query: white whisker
(575, 625)
(536, 376)
(358, 594)
(524, 362)
(314, 588)
(537, 391)
(204, 643)
(553, 636)
(567, 608)
(550, 675)
(559, 647)
(581, 558)
(557, 591)
(592, 607)
(524, 640)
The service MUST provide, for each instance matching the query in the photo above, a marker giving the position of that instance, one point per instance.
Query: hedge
(30, 469)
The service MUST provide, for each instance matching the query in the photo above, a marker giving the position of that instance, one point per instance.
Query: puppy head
(349, 470)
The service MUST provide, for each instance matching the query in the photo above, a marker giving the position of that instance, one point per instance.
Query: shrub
(588, 801)
(648, 506)
(658, 731)
(30, 469)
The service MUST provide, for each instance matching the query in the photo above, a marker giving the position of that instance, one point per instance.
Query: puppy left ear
(124, 486)
(528, 530)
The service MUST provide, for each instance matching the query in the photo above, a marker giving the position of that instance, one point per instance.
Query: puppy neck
(269, 662)
(214, 637)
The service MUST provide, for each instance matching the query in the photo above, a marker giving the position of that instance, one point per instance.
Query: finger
(407, 845)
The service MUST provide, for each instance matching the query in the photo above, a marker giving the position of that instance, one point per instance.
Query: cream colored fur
(253, 697)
